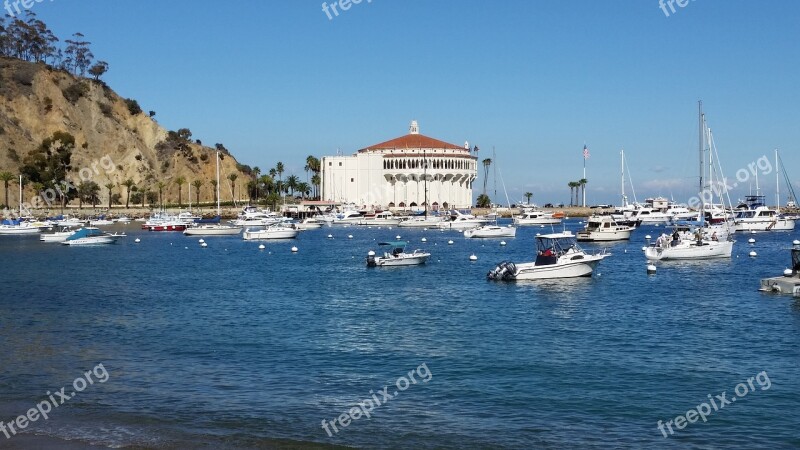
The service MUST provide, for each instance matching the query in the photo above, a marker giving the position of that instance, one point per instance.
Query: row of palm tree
(576, 187)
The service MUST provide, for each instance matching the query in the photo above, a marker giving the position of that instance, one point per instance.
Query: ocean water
(230, 346)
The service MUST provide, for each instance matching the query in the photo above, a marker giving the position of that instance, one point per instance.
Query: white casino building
(392, 174)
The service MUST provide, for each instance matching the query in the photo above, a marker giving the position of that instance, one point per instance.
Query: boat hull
(94, 240)
(406, 260)
(765, 225)
(269, 234)
(540, 221)
(491, 232)
(166, 227)
(572, 269)
(691, 251)
(603, 236)
(15, 230)
(212, 231)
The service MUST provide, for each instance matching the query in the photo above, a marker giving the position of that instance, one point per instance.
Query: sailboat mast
(622, 178)
(702, 160)
(425, 175)
(20, 196)
(217, 187)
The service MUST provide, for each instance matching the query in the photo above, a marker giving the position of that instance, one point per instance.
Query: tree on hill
(128, 185)
(78, 56)
(6, 177)
(49, 164)
(180, 181)
(197, 185)
(98, 69)
(160, 185)
(232, 177)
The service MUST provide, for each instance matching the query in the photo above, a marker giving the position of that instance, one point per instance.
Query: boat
(491, 231)
(123, 220)
(789, 283)
(251, 216)
(347, 217)
(604, 229)
(536, 217)
(270, 232)
(382, 218)
(58, 236)
(421, 222)
(188, 218)
(397, 256)
(691, 243)
(753, 215)
(309, 223)
(15, 227)
(210, 227)
(461, 221)
(161, 221)
(91, 236)
(558, 256)
(100, 221)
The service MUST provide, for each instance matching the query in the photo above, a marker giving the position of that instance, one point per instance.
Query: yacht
(91, 236)
(604, 229)
(58, 236)
(685, 244)
(421, 222)
(536, 217)
(309, 223)
(397, 256)
(271, 232)
(461, 221)
(16, 227)
(212, 230)
(383, 218)
(753, 215)
(558, 256)
(491, 231)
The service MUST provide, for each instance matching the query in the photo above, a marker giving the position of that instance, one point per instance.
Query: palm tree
(109, 186)
(486, 163)
(93, 191)
(582, 182)
(197, 185)
(267, 182)
(528, 196)
(128, 185)
(279, 170)
(232, 177)
(304, 188)
(160, 185)
(214, 186)
(180, 181)
(145, 193)
(256, 172)
(572, 185)
(292, 182)
(6, 177)
(315, 181)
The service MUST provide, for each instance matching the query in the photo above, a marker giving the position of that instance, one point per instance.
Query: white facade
(393, 174)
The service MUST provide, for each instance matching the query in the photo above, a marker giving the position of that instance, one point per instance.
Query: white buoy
(502, 242)
(424, 239)
(644, 248)
(788, 273)
(538, 234)
(262, 247)
(201, 241)
(541, 226)
(330, 236)
(796, 242)
(450, 242)
(473, 257)
(137, 240)
(397, 237)
(648, 237)
(371, 253)
(294, 249)
(349, 236)
(751, 240)
(187, 248)
(203, 245)
(651, 269)
(752, 231)
(753, 254)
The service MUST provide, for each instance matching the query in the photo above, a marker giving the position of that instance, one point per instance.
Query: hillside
(114, 140)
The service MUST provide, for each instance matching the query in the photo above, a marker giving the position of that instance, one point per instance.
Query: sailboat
(213, 229)
(18, 227)
(681, 246)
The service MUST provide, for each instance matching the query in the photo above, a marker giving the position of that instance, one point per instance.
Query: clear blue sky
(277, 80)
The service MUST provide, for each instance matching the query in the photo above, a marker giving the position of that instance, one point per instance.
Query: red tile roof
(412, 141)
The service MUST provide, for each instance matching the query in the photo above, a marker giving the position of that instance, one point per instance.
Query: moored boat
(604, 229)
(491, 231)
(397, 256)
(91, 236)
(270, 232)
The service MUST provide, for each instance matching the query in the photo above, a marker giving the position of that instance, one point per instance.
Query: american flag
(585, 152)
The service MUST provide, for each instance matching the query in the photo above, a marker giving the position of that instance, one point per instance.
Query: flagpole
(584, 177)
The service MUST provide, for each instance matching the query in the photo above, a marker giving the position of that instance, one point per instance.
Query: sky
(535, 80)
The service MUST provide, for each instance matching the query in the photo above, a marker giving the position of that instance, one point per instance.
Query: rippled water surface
(232, 346)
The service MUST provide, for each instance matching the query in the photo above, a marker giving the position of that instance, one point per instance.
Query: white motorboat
(58, 236)
(650, 216)
(123, 220)
(754, 216)
(212, 230)
(270, 232)
(70, 222)
(309, 223)
(491, 231)
(604, 229)
(188, 218)
(461, 221)
(91, 236)
(383, 218)
(15, 227)
(347, 217)
(100, 221)
(421, 222)
(536, 217)
(558, 256)
(397, 256)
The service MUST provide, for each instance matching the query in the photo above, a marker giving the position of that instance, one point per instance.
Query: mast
(20, 196)
(622, 180)
(218, 209)
(425, 175)
(777, 185)
(494, 160)
(702, 160)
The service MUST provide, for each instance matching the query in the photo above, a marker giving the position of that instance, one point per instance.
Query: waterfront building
(393, 174)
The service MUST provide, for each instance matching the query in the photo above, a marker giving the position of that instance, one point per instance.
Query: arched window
(435, 206)
(391, 204)
(445, 205)
(413, 204)
(402, 204)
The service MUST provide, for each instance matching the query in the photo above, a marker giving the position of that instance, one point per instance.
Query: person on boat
(676, 238)
(714, 237)
(548, 252)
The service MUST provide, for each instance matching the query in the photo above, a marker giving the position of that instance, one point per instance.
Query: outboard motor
(371, 259)
(796, 259)
(504, 271)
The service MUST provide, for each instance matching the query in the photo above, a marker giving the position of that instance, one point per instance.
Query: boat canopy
(395, 243)
(85, 232)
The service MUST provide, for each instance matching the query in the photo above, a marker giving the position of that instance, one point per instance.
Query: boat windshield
(555, 245)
